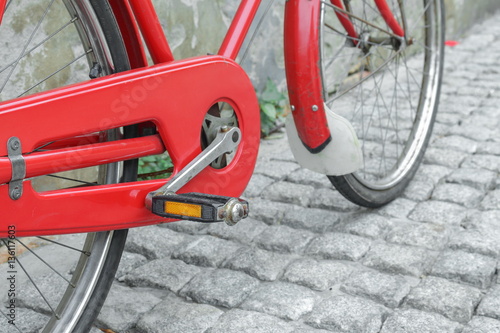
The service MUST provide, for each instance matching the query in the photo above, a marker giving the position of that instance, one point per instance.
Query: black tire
(93, 25)
(388, 90)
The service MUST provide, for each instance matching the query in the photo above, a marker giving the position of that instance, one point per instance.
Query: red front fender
(303, 73)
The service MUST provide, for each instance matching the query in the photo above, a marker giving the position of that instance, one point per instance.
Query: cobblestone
(308, 177)
(477, 241)
(388, 290)
(257, 185)
(162, 273)
(460, 194)
(366, 225)
(297, 194)
(339, 246)
(489, 148)
(473, 131)
(331, 200)
(455, 142)
(479, 179)
(347, 314)
(428, 235)
(277, 170)
(26, 321)
(398, 259)
(128, 262)
(414, 321)
(317, 274)
(268, 211)
(220, 287)
(284, 300)
(262, 264)
(154, 242)
(482, 325)
(176, 315)
(248, 321)
(438, 212)
(452, 300)
(448, 158)
(186, 227)
(491, 201)
(242, 232)
(124, 306)
(490, 305)
(400, 207)
(471, 268)
(488, 162)
(313, 219)
(485, 221)
(419, 189)
(206, 251)
(283, 239)
(434, 172)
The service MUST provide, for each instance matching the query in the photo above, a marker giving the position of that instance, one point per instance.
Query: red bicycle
(376, 63)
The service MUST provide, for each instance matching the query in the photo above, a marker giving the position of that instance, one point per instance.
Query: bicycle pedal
(200, 207)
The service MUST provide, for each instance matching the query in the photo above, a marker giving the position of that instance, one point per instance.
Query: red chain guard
(174, 96)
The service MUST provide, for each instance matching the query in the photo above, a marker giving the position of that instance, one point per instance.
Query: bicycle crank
(200, 207)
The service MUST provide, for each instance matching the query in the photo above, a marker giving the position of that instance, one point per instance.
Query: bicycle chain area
(309, 261)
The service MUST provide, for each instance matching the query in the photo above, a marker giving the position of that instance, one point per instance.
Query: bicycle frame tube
(82, 156)
(346, 22)
(138, 16)
(389, 18)
(152, 31)
(239, 28)
(3, 3)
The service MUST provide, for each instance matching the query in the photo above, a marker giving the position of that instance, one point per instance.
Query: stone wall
(197, 27)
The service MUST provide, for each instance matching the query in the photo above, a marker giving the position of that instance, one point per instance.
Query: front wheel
(387, 87)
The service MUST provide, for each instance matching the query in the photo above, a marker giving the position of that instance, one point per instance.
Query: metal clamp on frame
(16, 158)
(230, 210)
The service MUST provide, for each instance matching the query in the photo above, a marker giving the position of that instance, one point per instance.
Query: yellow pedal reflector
(199, 207)
(184, 209)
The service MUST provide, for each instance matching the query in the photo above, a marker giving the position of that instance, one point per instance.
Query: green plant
(273, 108)
(155, 167)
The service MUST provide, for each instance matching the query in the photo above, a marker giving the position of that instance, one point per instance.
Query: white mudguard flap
(340, 157)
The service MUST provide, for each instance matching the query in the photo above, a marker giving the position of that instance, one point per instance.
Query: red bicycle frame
(174, 95)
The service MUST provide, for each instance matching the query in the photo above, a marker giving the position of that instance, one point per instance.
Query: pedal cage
(200, 207)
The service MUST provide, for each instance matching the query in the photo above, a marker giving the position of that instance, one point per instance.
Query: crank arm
(226, 141)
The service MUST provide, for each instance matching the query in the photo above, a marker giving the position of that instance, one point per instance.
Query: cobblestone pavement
(309, 261)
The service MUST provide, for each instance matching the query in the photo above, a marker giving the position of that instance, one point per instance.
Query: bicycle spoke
(46, 263)
(54, 73)
(27, 43)
(38, 45)
(73, 179)
(366, 78)
(36, 287)
(87, 253)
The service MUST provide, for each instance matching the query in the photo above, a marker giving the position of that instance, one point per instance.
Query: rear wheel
(387, 87)
(44, 45)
